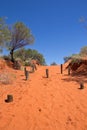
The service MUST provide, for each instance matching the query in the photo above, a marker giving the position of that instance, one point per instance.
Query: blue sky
(54, 24)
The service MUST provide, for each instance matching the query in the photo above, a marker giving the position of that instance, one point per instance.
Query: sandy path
(43, 103)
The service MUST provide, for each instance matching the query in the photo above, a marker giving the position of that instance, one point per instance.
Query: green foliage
(20, 37)
(20, 54)
(5, 35)
(27, 55)
(75, 58)
(17, 37)
(37, 56)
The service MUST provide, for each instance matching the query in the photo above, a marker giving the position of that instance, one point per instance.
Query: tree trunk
(11, 53)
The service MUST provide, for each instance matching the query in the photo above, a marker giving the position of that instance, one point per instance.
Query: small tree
(20, 36)
(5, 34)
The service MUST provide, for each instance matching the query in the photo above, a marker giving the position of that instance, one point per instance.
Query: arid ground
(40, 103)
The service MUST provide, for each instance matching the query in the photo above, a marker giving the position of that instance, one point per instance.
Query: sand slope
(54, 103)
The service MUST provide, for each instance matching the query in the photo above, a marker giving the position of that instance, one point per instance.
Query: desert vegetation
(78, 62)
(14, 39)
(77, 57)
(28, 54)
(44, 97)
(6, 78)
(53, 63)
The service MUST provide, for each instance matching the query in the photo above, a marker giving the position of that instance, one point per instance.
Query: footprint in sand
(69, 121)
(39, 109)
(45, 84)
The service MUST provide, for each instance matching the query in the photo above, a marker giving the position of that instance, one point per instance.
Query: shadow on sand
(76, 77)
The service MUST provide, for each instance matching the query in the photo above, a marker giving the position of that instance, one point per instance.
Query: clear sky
(54, 24)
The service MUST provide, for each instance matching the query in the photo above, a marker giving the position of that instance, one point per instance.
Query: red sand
(40, 103)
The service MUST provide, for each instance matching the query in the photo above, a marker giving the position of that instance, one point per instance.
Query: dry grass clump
(6, 77)
(2, 64)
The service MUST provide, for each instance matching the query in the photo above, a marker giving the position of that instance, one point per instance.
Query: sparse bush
(53, 63)
(6, 78)
(26, 55)
(17, 65)
(76, 58)
(83, 51)
(18, 59)
(6, 58)
(66, 58)
(26, 64)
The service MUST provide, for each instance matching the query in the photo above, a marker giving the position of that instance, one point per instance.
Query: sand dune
(40, 103)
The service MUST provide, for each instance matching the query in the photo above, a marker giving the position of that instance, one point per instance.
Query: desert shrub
(6, 58)
(17, 65)
(66, 58)
(18, 59)
(26, 64)
(76, 58)
(6, 78)
(83, 51)
(53, 63)
(24, 55)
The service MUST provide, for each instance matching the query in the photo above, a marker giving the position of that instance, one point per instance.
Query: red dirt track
(40, 103)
